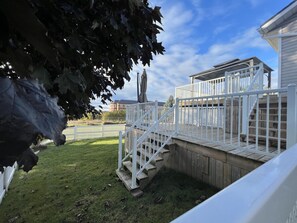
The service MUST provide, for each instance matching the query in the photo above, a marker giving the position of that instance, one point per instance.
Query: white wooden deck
(231, 143)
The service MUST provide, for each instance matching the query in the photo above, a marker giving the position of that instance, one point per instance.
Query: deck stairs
(273, 119)
(146, 151)
(152, 168)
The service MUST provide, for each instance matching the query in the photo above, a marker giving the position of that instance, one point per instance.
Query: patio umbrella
(143, 86)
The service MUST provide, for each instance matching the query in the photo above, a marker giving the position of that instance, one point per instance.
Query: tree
(170, 102)
(78, 49)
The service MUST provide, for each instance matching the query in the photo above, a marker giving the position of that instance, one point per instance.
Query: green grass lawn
(77, 183)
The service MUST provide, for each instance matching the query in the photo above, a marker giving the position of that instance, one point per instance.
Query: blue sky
(201, 33)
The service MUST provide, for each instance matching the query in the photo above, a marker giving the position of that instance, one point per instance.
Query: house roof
(278, 18)
(275, 21)
(219, 70)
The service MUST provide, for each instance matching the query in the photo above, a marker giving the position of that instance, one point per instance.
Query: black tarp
(27, 112)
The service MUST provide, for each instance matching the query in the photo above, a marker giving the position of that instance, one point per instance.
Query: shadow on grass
(77, 183)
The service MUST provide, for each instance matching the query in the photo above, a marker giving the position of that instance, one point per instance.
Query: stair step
(155, 147)
(264, 137)
(157, 158)
(272, 115)
(148, 167)
(271, 121)
(273, 99)
(128, 165)
(270, 129)
(125, 177)
(271, 107)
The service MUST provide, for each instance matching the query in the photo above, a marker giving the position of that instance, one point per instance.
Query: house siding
(289, 60)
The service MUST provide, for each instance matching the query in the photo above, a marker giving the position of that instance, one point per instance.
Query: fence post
(134, 157)
(176, 115)
(102, 129)
(120, 155)
(74, 132)
(291, 116)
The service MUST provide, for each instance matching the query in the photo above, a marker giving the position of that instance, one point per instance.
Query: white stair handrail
(248, 105)
(138, 142)
(122, 134)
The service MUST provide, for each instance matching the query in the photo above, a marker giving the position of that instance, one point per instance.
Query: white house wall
(287, 51)
(288, 61)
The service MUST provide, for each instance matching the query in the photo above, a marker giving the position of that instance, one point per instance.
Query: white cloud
(183, 55)
(255, 3)
(181, 60)
(221, 28)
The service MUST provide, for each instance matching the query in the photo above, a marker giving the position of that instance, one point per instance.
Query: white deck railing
(203, 88)
(223, 119)
(135, 111)
(245, 79)
(267, 194)
(233, 82)
(220, 119)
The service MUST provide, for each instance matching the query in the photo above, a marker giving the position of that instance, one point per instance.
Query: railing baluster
(218, 119)
(279, 123)
(239, 120)
(257, 124)
(192, 113)
(247, 120)
(224, 123)
(267, 122)
(206, 124)
(231, 124)
(212, 118)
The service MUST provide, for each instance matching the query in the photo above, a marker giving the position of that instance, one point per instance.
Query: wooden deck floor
(231, 143)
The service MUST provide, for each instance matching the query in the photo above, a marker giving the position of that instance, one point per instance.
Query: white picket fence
(5, 179)
(93, 131)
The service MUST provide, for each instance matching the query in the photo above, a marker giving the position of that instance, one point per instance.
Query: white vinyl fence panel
(92, 132)
(5, 179)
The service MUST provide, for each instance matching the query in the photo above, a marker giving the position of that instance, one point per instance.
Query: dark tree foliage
(78, 49)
